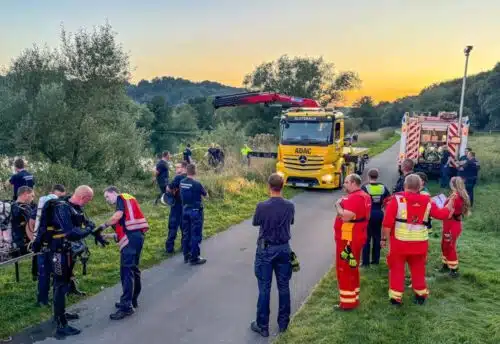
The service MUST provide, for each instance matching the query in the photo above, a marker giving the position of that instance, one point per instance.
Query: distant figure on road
(378, 193)
(274, 217)
(353, 213)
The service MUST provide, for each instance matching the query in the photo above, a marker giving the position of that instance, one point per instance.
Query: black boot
(120, 314)
(444, 268)
(73, 289)
(256, 328)
(198, 261)
(419, 300)
(453, 273)
(63, 329)
(134, 304)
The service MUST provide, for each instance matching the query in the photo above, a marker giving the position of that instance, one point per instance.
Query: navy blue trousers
(174, 222)
(44, 272)
(130, 274)
(192, 227)
(268, 260)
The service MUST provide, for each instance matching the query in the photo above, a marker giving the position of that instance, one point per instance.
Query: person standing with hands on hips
(274, 217)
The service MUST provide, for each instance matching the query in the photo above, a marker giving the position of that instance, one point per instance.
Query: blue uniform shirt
(120, 206)
(274, 217)
(187, 155)
(174, 186)
(162, 169)
(191, 192)
(21, 178)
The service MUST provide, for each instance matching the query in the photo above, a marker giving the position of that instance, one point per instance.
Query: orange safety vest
(134, 220)
(413, 227)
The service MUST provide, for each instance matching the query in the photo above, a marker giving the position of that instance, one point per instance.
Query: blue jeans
(174, 221)
(192, 227)
(130, 274)
(44, 271)
(267, 260)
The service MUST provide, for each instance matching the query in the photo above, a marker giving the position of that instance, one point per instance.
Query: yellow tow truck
(313, 151)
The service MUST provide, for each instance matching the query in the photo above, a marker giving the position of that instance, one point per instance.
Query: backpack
(5, 223)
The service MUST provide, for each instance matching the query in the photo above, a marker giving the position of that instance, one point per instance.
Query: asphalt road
(216, 302)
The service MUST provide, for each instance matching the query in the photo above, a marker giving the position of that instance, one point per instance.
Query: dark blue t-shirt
(444, 158)
(191, 192)
(21, 178)
(120, 206)
(162, 169)
(274, 216)
(174, 186)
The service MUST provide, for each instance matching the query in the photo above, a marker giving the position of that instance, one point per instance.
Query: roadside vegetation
(464, 310)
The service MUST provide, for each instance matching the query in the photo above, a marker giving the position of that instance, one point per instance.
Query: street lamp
(467, 51)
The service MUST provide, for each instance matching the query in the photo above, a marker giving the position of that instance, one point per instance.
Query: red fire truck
(424, 136)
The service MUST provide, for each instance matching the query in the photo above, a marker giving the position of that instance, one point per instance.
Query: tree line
(481, 103)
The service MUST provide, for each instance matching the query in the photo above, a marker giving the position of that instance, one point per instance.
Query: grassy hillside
(176, 90)
(458, 311)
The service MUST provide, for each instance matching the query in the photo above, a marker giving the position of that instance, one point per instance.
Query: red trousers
(347, 277)
(451, 232)
(415, 254)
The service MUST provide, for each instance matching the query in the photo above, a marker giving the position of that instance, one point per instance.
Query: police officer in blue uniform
(21, 178)
(274, 217)
(378, 193)
(162, 174)
(173, 198)
(62, 221)
(192, 216)
(470, 174)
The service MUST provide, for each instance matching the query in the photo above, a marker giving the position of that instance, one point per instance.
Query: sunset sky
(396, 46)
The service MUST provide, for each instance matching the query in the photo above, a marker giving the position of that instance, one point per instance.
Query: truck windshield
(306, 133)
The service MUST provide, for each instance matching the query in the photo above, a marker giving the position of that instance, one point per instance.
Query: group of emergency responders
(55, 229)
(369, 217)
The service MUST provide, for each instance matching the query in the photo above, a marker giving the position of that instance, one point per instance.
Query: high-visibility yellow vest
(405, 231)
(375, 191)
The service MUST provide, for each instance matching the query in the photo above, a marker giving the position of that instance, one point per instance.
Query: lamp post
(467, 51)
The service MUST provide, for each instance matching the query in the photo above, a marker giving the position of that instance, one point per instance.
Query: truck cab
(313, 151)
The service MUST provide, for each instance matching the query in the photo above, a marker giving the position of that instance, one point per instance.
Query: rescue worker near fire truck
(407, 167)
(404, 225)
(379, 194)
(424, 190)
(173, 197)
(353, 214)
(130, 225)
(63, 221)
(452, 227)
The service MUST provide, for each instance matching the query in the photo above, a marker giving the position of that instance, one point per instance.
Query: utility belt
(425, 223)
(263, 243)
(194, 206)
(363, 219)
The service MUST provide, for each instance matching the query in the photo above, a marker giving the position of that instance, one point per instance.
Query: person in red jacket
(353, 213)
(404, 223)
(452, 228)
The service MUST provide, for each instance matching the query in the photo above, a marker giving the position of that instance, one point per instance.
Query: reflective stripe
(347, 293)
(123, 242)
(58, 236)
(395, 294)
(410, 231)
(422, 292)
(345, 300)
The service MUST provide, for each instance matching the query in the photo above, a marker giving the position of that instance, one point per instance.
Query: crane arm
(247, 98)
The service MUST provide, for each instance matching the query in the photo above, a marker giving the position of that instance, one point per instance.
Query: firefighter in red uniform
(353, 212)
(452, 228)
(404, 222)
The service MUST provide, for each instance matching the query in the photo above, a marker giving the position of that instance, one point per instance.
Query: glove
(99, 240)
(295, 262)
(90, 224)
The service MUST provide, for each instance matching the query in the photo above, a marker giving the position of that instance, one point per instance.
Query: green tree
(364, 109)
(302, 77)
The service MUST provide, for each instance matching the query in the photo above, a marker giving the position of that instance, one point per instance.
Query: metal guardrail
(16, 261)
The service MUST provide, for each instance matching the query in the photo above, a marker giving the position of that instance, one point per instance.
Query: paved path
(216, 302)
